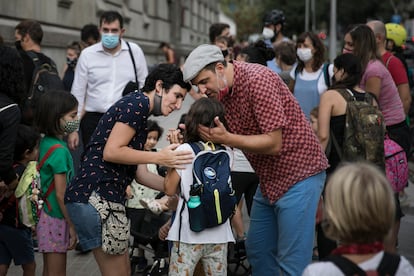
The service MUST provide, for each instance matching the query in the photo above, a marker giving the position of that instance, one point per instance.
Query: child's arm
(149, 179)
(171, 182)
(60, 186)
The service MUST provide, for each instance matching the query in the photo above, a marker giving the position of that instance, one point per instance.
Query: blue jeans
(87, 224)
(281, 235)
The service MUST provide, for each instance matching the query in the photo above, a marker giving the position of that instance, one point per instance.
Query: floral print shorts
(52, 234)
(213, 257)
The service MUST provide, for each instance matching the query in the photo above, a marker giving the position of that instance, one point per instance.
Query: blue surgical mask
(110, 41)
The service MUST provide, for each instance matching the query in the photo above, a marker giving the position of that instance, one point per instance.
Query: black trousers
(88, 124)
(245, 183)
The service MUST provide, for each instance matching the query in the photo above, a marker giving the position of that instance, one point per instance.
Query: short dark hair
(170, 74)
(351, 65)
(53, 105)
(90, 31)
(111, 16)
(154, 126)
(32, 28)
(202, 112)
(258, 53)
(164, 44)
(12, 74)
(75, 46)
(27, 138)
(216, 29)
(285, 50)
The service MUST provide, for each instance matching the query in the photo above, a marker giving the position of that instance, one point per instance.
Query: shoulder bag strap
(133, 62)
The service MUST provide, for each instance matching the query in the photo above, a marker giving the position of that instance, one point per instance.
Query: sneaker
(152, 205)
(35, 245)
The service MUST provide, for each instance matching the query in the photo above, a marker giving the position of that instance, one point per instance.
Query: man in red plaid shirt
(266, 122)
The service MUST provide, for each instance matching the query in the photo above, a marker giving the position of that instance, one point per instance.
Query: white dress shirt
(100, 77)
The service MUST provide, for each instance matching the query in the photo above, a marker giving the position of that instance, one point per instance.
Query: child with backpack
(55, 117)
(208, 245)
(15, 238)
(359, 214)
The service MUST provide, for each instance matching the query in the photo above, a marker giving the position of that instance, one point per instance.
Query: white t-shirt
(330, 269)
(220, 234)
(240, 162)
(304, 75)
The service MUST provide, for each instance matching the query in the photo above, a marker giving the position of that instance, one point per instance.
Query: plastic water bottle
(194, 201)
(195, 212)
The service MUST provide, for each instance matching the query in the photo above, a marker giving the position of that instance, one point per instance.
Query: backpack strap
(325, 69)
(40, 165)
(197, 147)
(181, 218)
(347, 94)
(345, 265)
(388, 266)
(7, 107)
(388, 61)
(133, 62)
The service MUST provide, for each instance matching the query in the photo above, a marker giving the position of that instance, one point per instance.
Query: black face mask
(225, 52)
(18, 45)
(156, 110)
(71, 62)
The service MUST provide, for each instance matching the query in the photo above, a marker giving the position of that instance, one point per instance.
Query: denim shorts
(16, 244)
(87, 224)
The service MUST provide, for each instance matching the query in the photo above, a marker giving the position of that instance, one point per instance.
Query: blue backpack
(212, 183)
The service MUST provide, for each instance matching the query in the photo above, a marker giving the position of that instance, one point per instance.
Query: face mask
(268, 33)
(346, 51)
(304, 54)
(156, 110)
(222, 91)
(110, 41)
(225, 52)
(71, 126)
(18, 45)
(71, 62)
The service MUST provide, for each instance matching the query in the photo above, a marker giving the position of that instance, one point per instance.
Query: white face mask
(304, 54)
(268, 33)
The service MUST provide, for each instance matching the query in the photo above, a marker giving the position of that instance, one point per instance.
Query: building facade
(182, 23)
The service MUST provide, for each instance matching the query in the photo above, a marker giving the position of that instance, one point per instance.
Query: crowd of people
(275, 105)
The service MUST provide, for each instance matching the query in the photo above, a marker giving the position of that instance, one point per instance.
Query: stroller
(144, 235)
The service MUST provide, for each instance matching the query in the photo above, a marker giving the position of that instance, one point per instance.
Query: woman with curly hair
(310, 77)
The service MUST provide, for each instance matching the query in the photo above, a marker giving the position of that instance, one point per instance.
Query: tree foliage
(248, 14)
